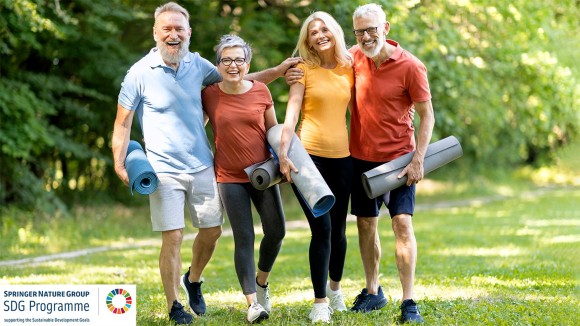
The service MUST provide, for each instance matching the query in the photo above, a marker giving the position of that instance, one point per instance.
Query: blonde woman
(321, 97)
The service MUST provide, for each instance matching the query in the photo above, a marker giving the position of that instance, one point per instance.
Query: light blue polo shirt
(168, 105)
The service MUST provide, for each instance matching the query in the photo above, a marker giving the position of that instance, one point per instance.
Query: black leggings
(328, 244)
(236, 198)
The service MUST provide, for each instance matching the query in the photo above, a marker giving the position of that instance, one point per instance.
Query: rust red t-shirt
(239, 129)
(381, 127)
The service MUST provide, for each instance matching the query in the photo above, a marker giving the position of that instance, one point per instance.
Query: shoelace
(412, 309)
(360, 299)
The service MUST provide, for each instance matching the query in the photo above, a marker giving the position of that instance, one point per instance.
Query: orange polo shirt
(381, 127)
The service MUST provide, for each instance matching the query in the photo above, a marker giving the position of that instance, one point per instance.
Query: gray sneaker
(263, 296)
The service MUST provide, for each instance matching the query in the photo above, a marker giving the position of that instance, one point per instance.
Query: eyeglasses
(369, 30)
(228, 61)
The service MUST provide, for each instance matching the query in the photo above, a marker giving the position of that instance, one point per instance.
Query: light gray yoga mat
(264, 175)
(383, 178)
(142, 177)
(308, 180)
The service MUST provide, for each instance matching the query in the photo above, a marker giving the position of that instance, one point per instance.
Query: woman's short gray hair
(232, 41)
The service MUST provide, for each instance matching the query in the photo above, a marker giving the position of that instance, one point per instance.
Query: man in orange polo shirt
(390, 86)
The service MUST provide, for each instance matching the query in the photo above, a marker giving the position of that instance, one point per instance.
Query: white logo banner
(84, 305)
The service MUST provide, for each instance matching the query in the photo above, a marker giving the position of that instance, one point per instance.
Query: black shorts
(398, 201)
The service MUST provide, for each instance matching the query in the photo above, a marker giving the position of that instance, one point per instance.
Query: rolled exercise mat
(142, 177)
(264, 175)
(308, 180)
(383, 178)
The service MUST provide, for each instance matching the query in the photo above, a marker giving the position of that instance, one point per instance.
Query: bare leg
(202, 249)
(370, 251)
(405, 252)
(334, 286)
(170, 264)
(262, 277)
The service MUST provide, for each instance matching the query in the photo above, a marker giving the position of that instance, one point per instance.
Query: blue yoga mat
(142, 177)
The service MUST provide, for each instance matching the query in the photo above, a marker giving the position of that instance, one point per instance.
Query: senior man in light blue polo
(164, 88)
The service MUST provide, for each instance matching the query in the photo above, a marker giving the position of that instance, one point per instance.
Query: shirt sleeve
(130, 94)
(211, 75)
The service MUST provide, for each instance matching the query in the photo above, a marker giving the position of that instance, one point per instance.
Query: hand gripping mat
(308, 180)
(383, 178)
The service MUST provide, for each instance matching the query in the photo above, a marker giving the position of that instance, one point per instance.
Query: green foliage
(503, 76)
(497, 85)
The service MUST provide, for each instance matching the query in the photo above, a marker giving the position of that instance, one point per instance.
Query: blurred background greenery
(504, 78)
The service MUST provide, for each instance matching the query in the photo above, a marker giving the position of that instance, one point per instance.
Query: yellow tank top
(322, 128)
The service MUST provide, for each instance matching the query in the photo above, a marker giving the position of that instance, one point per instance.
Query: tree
(497, 72)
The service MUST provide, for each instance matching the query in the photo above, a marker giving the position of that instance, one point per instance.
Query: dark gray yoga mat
(383, 178)
(264, 175)
(308, 180)
(142, 177)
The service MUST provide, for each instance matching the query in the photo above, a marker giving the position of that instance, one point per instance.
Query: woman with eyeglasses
(240, 112)
(321, 97)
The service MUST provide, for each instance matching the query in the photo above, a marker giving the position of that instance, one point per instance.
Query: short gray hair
(171, 7)
(232, 41)
(371, 8)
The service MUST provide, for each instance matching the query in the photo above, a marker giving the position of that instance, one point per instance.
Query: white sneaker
(256, 313)
(336, 299)
(263, 296)
(321, 313)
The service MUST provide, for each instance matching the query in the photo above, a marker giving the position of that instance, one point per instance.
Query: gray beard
(376, 50)
(173, 58)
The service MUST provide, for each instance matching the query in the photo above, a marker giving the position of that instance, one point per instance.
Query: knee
(322, 233)
(172, 237)
(279, 234)
(402, 226)
(210, 234)
(366, 225)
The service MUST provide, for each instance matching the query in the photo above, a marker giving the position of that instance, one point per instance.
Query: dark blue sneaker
(194, 295)
(410, 312)
(366, 302)
(178, 314)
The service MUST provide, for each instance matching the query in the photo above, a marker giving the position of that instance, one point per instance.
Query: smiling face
(371, 44)
(172, 33)
(233, 73)
(320, 38)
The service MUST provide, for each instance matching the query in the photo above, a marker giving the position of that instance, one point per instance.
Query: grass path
(298, 224)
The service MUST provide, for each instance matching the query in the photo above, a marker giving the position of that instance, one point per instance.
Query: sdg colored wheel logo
(119, 301)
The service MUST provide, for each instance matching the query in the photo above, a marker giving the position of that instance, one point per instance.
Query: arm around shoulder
(268, 75)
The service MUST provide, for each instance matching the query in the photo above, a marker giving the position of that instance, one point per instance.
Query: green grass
(509, 261)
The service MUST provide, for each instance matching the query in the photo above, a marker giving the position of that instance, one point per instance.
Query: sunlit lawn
(507, 262)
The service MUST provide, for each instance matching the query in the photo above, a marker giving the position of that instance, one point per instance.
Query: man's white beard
(376, 50)
(170, 57)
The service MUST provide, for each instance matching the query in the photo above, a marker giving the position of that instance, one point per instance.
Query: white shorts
(197, 190)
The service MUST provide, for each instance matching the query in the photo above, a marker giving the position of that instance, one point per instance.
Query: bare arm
(414, 170)
(296, 95)
(121, 134)
(268, 75)
(270, 118)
